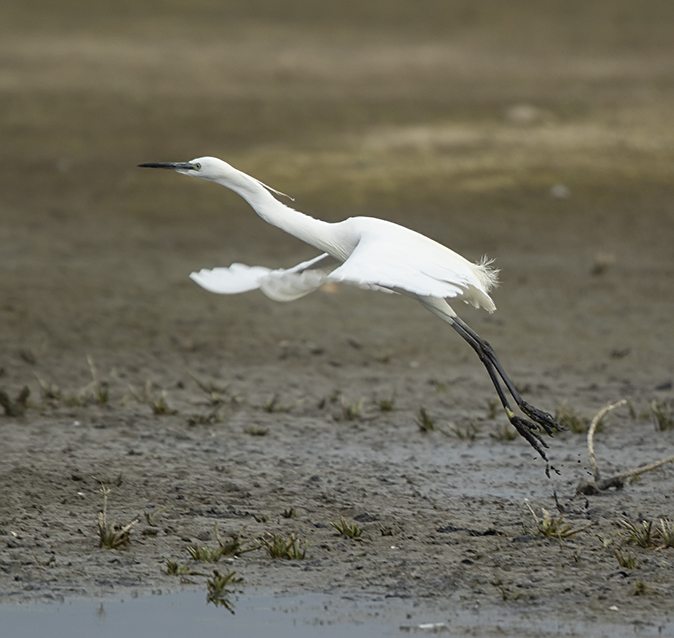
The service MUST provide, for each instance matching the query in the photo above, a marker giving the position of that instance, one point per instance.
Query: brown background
(453, 118)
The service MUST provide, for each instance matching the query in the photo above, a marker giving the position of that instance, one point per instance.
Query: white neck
(312, 231)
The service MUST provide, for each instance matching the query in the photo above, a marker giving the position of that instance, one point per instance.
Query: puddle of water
(188, 614)
(304, 616)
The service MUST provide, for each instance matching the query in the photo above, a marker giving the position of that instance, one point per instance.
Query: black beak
(185, 166)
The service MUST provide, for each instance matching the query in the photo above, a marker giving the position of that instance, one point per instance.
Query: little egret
(370, 253)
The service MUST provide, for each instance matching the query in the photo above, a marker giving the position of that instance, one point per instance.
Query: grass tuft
(96, 388)
(273, 404)
(568, 418)
(99, 388)
(230, 549)
(492, 408)
(387, 530)
(424, 421)
(158, 402)
(625, 561)
(175, 569)
(351, 411)
(346, 529)
(290, 548)
(203, 419)
(205, 554)
(151, 517)
(553, 526)
(666, 533)
(234, 547)
(641, 534)
(469, 433)
(15, 407)
(642, 589)
(111, 535)
(254, 430)
(215, 395)
(662, 416)
(645, 535)
(160, 406)
(506, 594)
(505, 433)
(116, 481)
(218, 589)
(386, 405)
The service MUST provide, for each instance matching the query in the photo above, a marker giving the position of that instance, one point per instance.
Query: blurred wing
(280, 285)
(418, 265)
(230, 281)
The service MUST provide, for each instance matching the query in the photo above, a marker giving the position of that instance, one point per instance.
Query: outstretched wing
(229, 281)
(412, 263)
(280, 285)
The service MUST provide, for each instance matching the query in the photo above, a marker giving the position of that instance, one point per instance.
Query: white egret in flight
(369, 253)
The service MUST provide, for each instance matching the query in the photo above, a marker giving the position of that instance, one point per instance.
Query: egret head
(209, 168)
(215, 170)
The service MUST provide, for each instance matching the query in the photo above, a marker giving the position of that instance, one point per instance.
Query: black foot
(530, 432)
(543, 419)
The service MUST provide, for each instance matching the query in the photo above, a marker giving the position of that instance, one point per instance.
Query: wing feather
(415, 264)
(280, 284)
(230, 281)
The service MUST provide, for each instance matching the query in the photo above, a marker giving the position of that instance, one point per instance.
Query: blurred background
(538, 132)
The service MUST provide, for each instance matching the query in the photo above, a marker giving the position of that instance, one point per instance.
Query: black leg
(530, 431)
(543, 419)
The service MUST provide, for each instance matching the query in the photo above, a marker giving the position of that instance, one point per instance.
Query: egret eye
(197, 166)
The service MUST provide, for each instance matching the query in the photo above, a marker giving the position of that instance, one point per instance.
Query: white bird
(370, 253)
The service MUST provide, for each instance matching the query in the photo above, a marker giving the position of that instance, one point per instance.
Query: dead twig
(590, 435)
(618, 480)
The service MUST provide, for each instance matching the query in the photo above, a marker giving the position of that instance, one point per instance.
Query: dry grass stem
(593, 428)
(617, 480)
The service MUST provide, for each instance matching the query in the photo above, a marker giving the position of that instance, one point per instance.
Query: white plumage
(279, 285)
(362, 251)
(370, 253)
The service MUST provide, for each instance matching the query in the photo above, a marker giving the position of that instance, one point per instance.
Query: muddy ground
(538, 133)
